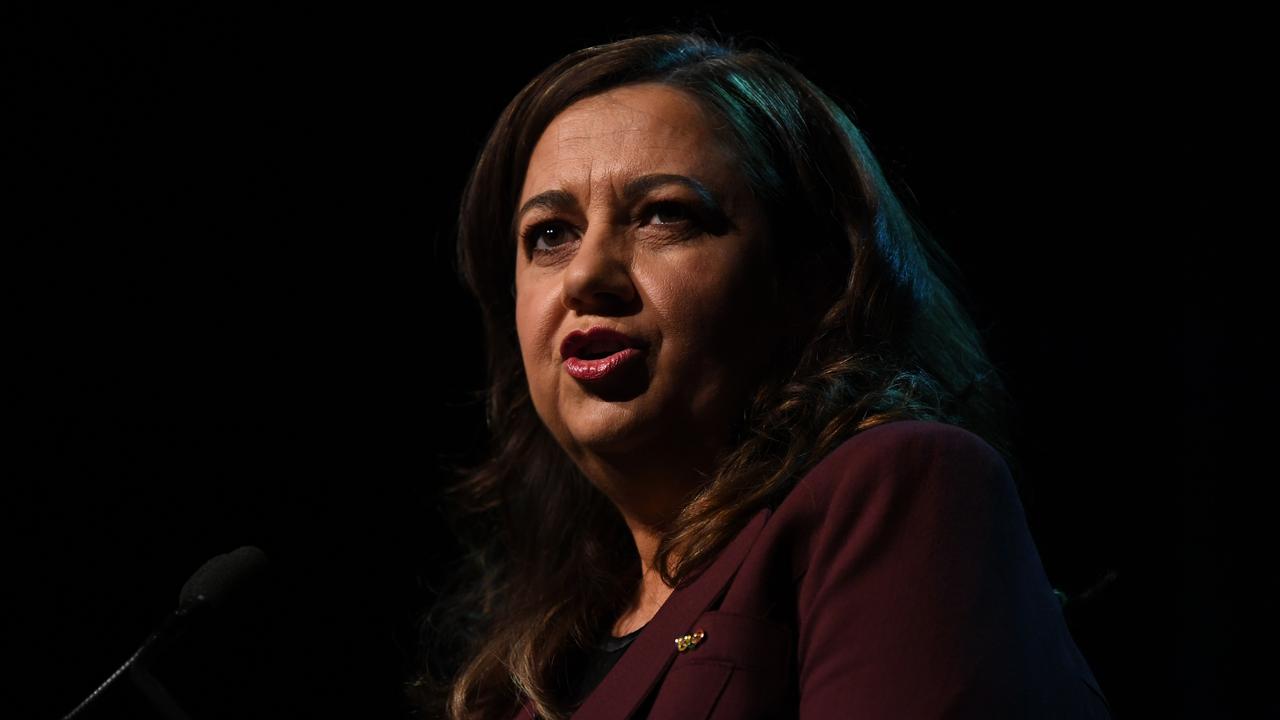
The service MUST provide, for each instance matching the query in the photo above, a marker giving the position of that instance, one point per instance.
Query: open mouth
(599, 346)
(600, 364)
(601, 352)
(597, 354)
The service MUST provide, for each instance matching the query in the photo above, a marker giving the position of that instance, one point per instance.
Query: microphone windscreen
(220, 576)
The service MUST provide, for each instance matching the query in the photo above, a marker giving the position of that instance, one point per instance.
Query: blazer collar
(640, 667)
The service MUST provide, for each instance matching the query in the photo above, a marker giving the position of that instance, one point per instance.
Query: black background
(236, 321)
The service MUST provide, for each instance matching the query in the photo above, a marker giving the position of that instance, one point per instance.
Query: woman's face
(635, 218)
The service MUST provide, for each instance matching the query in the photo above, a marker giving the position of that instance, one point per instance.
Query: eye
(549, 236)
(669, 209)
(549, 231)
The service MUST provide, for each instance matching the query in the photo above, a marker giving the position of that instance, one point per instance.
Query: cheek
(526, 334)
(720, 305)
(535, 331)
(705, 339)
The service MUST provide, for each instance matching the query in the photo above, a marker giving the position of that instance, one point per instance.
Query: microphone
(219, 577)
(206, 590)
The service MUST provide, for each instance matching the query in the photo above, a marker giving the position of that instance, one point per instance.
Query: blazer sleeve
(924, 595)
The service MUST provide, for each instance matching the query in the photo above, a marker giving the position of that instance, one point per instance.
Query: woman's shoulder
(906, 551)
(900, 459)
(903, 446)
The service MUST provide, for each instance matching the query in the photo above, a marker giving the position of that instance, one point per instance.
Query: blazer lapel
(639, 668)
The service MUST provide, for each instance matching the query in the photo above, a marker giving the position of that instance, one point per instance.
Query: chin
(604, 435)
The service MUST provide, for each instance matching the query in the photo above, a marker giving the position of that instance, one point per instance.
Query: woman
(749, 456)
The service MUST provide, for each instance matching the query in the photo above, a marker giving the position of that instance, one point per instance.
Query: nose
(598, 277)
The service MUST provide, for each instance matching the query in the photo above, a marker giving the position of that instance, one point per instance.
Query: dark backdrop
(236, 321)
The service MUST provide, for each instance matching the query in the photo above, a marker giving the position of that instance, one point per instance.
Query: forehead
(647, 128)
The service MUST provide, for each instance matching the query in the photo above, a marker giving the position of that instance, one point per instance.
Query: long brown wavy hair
(879, 334)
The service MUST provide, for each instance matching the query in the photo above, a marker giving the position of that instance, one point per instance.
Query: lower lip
(601, 367)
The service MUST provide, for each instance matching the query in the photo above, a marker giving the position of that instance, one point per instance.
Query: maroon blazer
(897, 580)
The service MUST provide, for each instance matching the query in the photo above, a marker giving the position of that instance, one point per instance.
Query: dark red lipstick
(599, 352)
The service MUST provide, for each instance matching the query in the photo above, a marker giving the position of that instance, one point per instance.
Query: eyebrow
(559, 200)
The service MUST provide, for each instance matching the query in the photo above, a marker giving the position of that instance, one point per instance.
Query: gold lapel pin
(688, 642)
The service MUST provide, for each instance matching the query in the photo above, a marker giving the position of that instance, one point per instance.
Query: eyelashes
(685, 221)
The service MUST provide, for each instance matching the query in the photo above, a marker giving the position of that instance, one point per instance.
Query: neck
(651, 592)
(649, 494)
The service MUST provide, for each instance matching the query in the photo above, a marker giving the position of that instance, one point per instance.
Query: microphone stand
(136, 665)
(206, 589)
